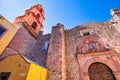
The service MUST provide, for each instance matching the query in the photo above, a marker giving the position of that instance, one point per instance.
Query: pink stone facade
(107, 57)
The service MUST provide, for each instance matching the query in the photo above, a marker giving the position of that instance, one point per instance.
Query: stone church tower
(29, 25)
(32, 18)
(18, 42)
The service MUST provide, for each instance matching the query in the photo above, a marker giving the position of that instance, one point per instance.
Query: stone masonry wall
(72, 67)
(55, 54)
(107, 31)
(38, 54)
(23, 42)
(115, 22)
(103, 30)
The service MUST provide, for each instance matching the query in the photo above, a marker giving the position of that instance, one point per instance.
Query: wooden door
(99, 71)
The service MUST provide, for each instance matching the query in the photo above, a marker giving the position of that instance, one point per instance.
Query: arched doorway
(99, 71)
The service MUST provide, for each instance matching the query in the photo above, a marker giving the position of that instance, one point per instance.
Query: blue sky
(68, 12)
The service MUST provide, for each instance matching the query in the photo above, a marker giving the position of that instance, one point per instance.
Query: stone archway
(100, 71)
(107, 58)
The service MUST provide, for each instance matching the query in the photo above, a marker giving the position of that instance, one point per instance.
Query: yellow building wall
(36, 72)
(16, 65)
(22, 70)
(9, 34)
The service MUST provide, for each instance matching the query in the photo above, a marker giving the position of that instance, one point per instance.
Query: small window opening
(4, 78)
(34, 25)
(4, 75)
(45, 45)
(114, 22)
(86, 34)
(2, 30)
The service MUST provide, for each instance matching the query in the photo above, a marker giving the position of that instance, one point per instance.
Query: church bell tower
(32, 19)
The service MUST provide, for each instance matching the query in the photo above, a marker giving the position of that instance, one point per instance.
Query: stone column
(56, 54)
